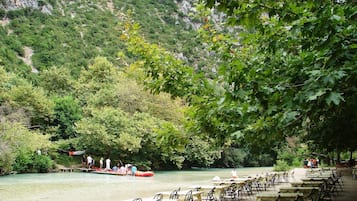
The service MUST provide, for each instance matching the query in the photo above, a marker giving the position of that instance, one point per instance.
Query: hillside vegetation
(64, 78)
(77, 31)
(149, 83)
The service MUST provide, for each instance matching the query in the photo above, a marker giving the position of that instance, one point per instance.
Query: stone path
(349, 186)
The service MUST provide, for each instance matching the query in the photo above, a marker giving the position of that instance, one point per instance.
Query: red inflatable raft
(137, 174)
(144, 173)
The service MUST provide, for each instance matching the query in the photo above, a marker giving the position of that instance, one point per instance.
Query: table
(315, 179)
(274, 196)
(231, 181)
(326, 177)
(309, 193)
(307, 184)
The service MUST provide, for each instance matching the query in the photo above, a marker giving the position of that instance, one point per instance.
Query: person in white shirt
(107, 164)
(234, 173)
(89, 161)
(101, 163)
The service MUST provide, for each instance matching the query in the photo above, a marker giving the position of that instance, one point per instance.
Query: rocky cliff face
(186, 7)
(19, 4)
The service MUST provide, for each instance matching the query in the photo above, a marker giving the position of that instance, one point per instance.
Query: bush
(2, 13)
(42, 163)
(12, 14)
(281, 166)
(30, 162)
(23, 162)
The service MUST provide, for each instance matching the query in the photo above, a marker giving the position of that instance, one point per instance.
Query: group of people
(128, 169)
(311, 163)
(88, 162)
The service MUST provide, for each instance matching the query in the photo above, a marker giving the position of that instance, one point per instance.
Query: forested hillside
(71, 33)
(167, 84)
(64, 80)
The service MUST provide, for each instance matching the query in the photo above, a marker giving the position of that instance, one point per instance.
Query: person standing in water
(107, 164)
(234, 173)
(101, 163)
(133, 170)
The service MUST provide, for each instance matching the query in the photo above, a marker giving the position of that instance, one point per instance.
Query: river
(78, 186)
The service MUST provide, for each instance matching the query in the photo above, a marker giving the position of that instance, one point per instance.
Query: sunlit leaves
(20, 94)
(67, 112)
(15, 139)
(129, 143)
(172, 142)
(200, 152)
(57, 81)
(163, 71)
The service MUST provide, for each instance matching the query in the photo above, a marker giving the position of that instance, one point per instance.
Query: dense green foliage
(290, 71)
(274, 80)
(78, 31)
(295, 69)
(66, 98)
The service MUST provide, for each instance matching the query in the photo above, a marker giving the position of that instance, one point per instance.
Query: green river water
(78, 186)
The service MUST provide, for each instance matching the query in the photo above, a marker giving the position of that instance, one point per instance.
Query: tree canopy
(277, 78)
(281, 69)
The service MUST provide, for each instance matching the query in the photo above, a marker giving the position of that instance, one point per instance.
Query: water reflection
(88, 186)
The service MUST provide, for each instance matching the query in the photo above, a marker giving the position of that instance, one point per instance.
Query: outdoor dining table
(307, 184)
(181, 194)
(315, 179)
(273, 196)
(309, 193)
(320, 176)
(232, 181)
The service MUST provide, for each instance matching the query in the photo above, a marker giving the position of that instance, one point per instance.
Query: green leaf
(290, 116)
(237, 134)
(336, 18)
(316, 95)
(335, 98)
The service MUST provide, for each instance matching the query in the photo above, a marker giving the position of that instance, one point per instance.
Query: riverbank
(83, 186)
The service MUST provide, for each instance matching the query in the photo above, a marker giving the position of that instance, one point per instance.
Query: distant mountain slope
(71, 33)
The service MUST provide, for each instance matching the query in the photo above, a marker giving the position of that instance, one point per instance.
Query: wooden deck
(85, 169)
(64, 169)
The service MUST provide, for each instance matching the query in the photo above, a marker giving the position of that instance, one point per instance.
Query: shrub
(2, 13)
(42, 163)
(23, 162)
(281, 166)
(12, 14)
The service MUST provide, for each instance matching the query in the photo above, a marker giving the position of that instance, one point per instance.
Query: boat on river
(144, 173)
(118, 173)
